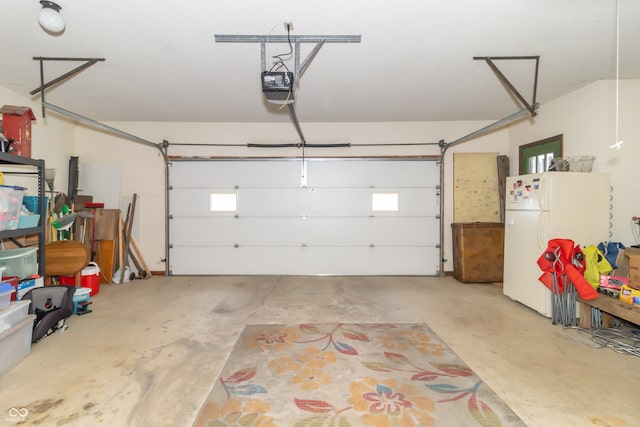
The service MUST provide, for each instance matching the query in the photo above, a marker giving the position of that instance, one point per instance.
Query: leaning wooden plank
(106, 260)
(129, 224)
(139, 254)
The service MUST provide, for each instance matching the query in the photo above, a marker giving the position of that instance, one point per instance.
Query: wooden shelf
(611, 307)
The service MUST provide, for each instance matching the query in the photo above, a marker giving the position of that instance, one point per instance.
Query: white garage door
(353, 217)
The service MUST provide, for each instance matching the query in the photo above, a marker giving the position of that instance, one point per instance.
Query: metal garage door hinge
(236, 245)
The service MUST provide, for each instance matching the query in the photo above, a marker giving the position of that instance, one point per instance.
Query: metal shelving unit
(27, 166)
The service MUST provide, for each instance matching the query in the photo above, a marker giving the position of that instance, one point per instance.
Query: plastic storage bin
(28, 221)
(15, 344)
(10, 206)
(14, 314)
(32, 205)
(21, 262)
(5, 294)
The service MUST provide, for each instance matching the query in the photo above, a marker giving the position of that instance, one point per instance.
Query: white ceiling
(414, 63)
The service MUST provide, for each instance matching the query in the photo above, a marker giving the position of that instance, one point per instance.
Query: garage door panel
(304, 261)
(357, 201)
(228, 231)
(191, 201)
(298, 201)
(376, 173)
(326, 228)
(203, 231)
(229, 174)
(367, 231)
(271, 202)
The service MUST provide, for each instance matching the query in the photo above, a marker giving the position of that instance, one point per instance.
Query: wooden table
(610, 308)
(66, 258)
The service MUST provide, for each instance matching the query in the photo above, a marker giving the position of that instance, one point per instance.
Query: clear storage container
(22, 262)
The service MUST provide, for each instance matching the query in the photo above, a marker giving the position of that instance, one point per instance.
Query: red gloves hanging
(565, 259)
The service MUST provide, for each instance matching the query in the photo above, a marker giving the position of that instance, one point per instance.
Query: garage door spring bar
(87, 63)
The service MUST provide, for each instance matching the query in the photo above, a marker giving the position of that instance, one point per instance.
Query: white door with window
(289, 217)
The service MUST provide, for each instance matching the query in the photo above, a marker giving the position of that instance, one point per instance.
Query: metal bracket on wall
(87, 63)
(529, 108)
(503, 79)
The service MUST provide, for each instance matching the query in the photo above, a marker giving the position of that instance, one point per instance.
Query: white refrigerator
(550, 205)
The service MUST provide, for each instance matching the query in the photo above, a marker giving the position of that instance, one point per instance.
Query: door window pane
(223, 202)
(385, 202)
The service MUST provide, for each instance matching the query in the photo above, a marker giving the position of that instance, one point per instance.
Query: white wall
(587, 119)
(143, 172)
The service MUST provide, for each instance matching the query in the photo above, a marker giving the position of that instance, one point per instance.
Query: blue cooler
(81, 301)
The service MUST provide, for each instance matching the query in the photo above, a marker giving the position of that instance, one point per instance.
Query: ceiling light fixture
(49, 17)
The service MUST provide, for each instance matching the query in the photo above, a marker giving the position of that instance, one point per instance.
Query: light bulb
(49, 17)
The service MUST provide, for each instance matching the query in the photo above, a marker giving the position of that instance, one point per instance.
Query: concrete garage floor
(151, 350)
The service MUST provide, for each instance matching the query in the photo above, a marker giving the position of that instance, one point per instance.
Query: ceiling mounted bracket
(87, 63)
(300, 67)
(531, 107)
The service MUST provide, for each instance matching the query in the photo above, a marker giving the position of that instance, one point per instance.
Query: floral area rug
(349, 375)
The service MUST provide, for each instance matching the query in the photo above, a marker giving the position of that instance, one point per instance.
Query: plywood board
(476, 192)
(107, 223)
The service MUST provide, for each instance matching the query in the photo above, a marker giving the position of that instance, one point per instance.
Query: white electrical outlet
(288, 25)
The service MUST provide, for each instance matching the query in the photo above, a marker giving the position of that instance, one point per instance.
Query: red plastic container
(90, 278)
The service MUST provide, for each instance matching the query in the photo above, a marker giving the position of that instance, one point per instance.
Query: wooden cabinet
(478, 251)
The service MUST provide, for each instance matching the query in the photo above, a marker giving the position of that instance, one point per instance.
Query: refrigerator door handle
(541, 229)
(543, 193)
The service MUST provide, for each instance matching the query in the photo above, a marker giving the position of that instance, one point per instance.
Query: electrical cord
(279, 61)
(286, 101)
(623, 340)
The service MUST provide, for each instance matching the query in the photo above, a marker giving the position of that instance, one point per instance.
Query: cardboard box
(632, 256)
(630, 295)
(26, 285)
(478, 252)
